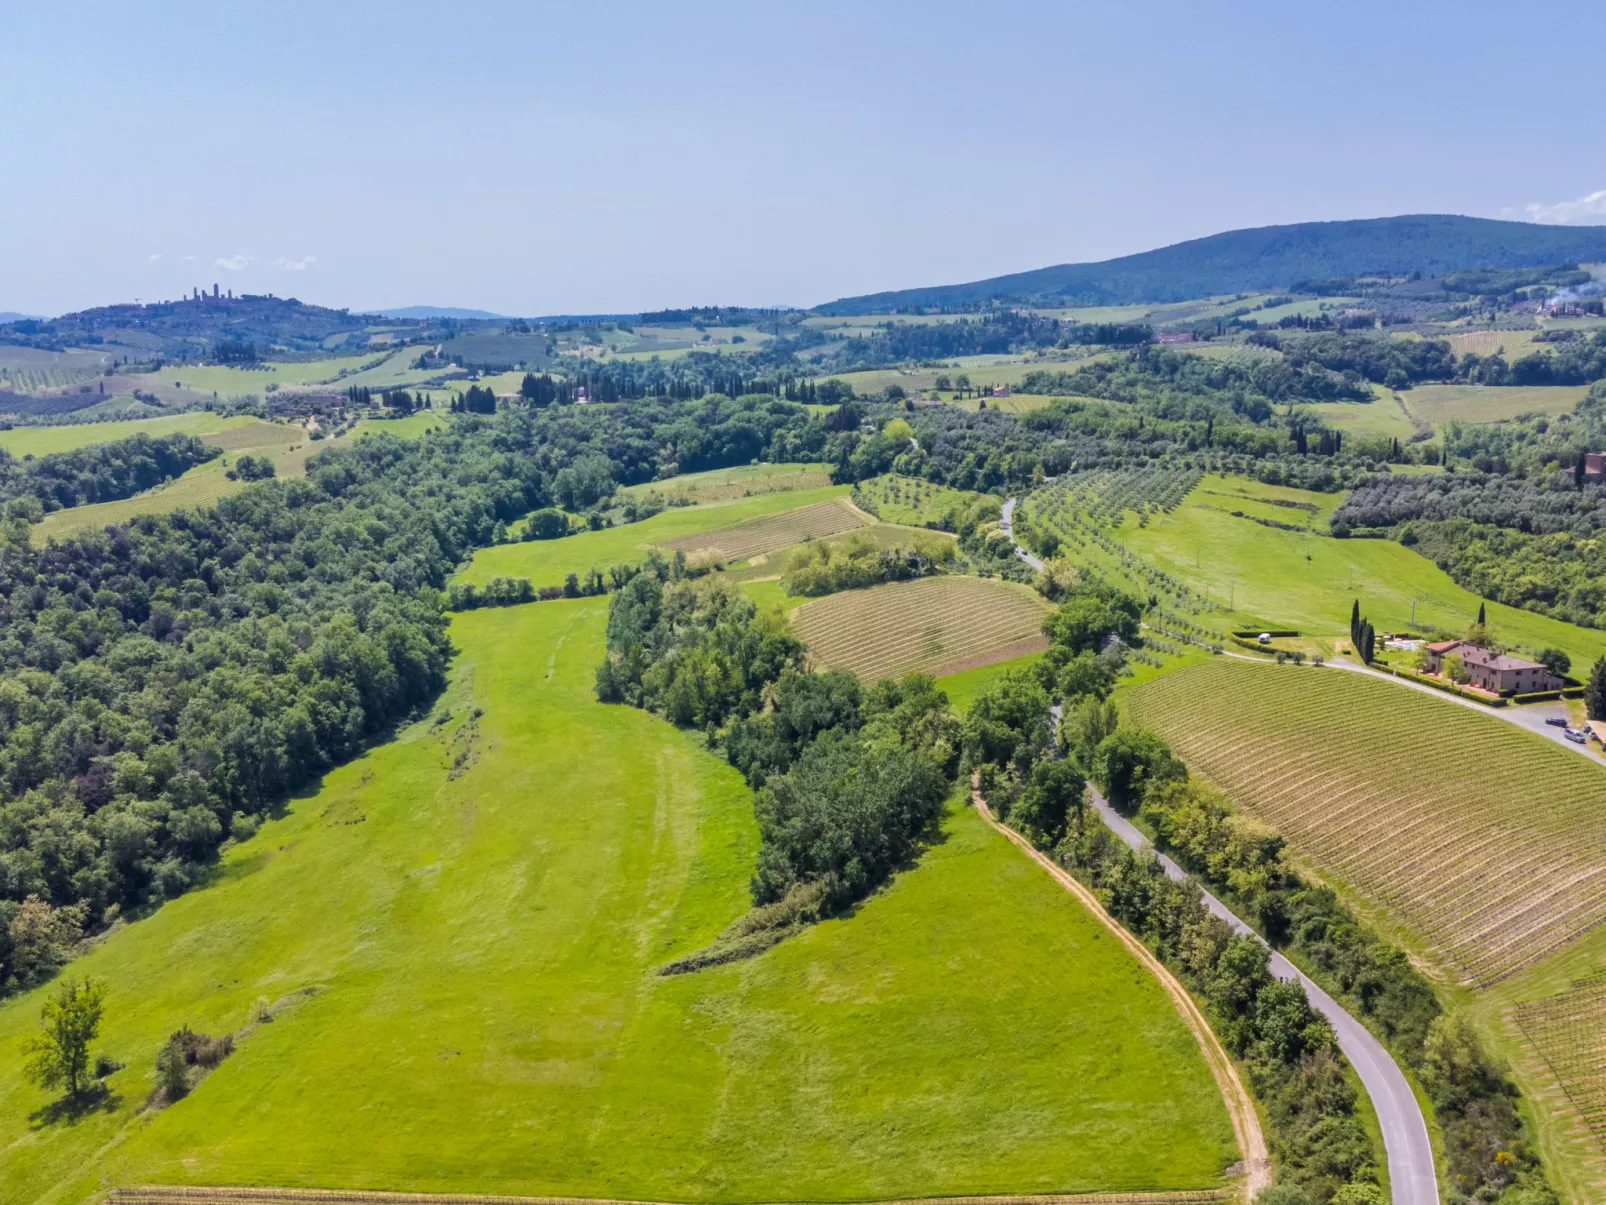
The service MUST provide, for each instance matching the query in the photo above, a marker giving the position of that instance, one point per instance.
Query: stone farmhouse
(1497, 673)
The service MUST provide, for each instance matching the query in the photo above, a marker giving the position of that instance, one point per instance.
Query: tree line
(105, 472)
(850, 782)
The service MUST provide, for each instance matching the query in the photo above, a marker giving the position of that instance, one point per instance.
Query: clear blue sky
(533, 159)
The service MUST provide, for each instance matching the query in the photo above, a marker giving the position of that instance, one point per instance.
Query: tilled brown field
(934, 625)
(749, 539)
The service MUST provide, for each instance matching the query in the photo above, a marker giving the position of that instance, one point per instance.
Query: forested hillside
(1267, 257)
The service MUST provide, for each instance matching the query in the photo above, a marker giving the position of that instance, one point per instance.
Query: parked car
(1574, 736)
(1556, 721)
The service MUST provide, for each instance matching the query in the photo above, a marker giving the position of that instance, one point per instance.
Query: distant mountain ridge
(1266, 258)
(12, 316)
(437, 311)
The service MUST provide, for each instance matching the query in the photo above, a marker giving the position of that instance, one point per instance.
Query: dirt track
(1241, 1110)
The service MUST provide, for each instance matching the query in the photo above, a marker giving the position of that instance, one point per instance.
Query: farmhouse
(1494, 672)
(1594, 465)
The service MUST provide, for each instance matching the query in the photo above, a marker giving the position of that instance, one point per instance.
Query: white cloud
(189, 259)
(233, 263)
(294, 265)
(1585, 211)
(154, 258)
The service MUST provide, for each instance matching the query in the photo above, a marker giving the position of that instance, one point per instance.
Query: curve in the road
(1240, 1108)
(1405, 1131)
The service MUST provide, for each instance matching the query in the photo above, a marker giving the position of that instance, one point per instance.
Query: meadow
(740, 481)
(1440, 404)
(754, 537)
(546, 562)
(41, 441)
(936, 625)
(458, 935)
(1303, 579)
(1477, 845)
(288, 446)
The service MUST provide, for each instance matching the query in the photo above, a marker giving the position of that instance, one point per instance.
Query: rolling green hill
(457, 938)
(1268, 257)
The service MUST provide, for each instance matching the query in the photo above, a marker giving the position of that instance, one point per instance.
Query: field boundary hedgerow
(1240, 1108)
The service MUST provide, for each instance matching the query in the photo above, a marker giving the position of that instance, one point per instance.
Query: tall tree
(59, 1056)
(1595, 691)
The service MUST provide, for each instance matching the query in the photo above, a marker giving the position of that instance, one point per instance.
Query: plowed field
(770, 532)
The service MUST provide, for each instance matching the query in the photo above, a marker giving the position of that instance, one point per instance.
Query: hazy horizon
(528, 161)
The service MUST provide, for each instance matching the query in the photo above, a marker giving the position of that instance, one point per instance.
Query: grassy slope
(545, 562)
(1266, 572)
(40, 441)
(483, 1016)
(288, 448)
(1440, 404)
(963, 687)
(717, 484)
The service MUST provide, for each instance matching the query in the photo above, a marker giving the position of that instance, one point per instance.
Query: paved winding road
(1007, 522)
(1405, 1131)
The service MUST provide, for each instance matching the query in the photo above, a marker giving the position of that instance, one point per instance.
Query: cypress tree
(1480, 615)
(1368, 641)
(1595, 691)
(1355, 625)
(1578, 472)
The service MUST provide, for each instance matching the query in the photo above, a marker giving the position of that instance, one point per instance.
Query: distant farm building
(1175, 337)
(1496, 673)
(1595, 464)
(1000, 390)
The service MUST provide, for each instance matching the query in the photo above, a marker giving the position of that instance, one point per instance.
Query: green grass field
(963, 687)
(1475, 844)
(545, 562)
(41, 441)
(1440, 404)
(742, 481)
(287, 446)
(462, 928)
(1308, 581)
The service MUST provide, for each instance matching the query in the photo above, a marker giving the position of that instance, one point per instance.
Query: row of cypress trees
(1361, 636)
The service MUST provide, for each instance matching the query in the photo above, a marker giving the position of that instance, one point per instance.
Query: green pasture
(42, 441)
(760, 477)
(287, 446)
(1308, 580)
(1440, 404)
(546, 562)
(459, 933)
(963, 687)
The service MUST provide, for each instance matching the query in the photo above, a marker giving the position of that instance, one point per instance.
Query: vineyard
(1568, 1030)
(912, 500)
(937, 625)
(1487, 842)
(755, 536)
